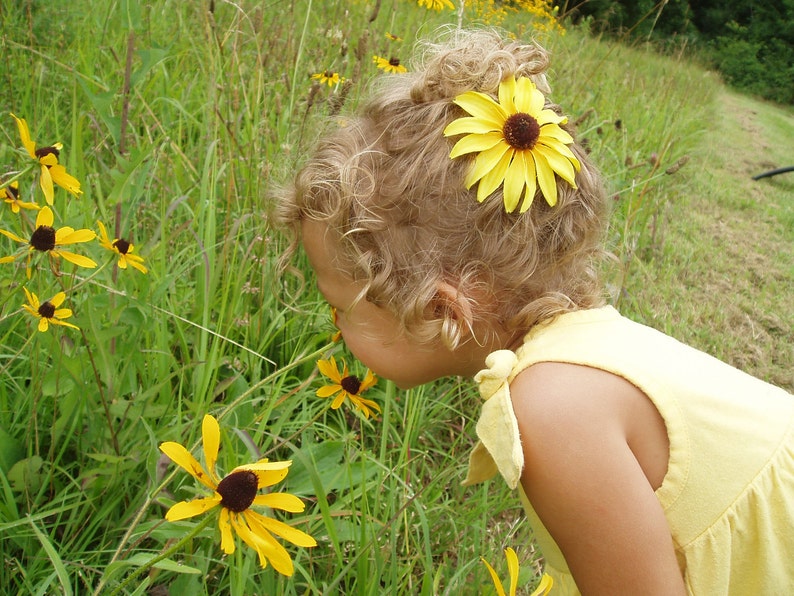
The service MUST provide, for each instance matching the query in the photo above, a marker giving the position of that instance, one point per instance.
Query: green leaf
(25, 475)
(11, 451)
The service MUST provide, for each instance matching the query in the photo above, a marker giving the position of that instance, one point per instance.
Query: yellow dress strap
(499, 447)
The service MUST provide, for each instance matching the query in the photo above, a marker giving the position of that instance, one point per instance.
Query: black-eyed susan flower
(392, 37)
(47, 239)
(51, 170)
(346, 386)
(328, 77)
(389, 65)
(234, 495)
(543, 588)
(48, 312)
(517, 141)
(122, 248)
(437, 4)
(10, 196)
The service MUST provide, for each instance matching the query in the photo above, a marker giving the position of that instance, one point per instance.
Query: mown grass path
(723, 278)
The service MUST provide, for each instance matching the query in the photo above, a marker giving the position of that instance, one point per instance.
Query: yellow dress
(728, 494)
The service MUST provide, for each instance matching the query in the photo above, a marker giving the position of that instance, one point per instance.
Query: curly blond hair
(383, 181)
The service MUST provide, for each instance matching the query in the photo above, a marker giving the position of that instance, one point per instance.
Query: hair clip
(517, 141)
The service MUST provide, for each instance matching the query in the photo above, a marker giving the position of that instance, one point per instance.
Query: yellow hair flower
(328, 77)
(51, 170)
(234, 494)
(544, 587)
(10, 196)
(47, 239)
(437, 4)
(345, 385)
(517, 141)
(122, 248)
(389, 65)
(47, 312)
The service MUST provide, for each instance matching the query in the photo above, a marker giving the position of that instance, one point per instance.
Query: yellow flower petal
(544, 587)
(546, 181)
(268, 549)
(186, 509)
(369, 381)
(78, 260)
(211, 439)
(45, 217)
(62, 313)
(55, 321)
(561, 165)
(328, 390)
(476, 142)
(58, 299)
(546, 117)
(227, 538)
(44, 324)
(329, 369)
(104, 240)
(487, 160)
(183, 458)
(514, 182)
(67, 235)
(267, 476)
(482, 106)
(555, 132)
(494, 578)
(530, 178)
(33, 300)
(13, 237)
(512, 569)
(45, 181)
(137, 262)
(283, 501)
(470, 125)
(293, 535)
(65, 180)
(24, 134)
(492, 179)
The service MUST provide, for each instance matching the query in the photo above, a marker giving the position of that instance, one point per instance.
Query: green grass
(177, 119)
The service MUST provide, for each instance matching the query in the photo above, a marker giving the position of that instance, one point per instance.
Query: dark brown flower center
(12, 192)
(43, 238)
(47, 310)
(521, 131)
(122, 246)
(238, 490)
(45, 151)
(394, 61)
(351, 384)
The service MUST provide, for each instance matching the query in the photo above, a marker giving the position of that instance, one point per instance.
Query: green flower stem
(16, 176)
(163, 555)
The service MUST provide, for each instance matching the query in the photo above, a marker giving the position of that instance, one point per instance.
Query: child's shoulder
(569, 408)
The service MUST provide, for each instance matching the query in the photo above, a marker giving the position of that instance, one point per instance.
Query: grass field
(177, 118)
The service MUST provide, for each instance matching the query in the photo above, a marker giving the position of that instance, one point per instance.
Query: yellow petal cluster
(518, 144)
(255, 529)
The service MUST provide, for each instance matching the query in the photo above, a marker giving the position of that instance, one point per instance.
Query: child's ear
(451, 305)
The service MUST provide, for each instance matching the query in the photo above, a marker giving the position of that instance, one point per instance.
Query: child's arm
(591, 442)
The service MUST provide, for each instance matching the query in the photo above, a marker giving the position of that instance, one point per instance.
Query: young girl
(456, 227)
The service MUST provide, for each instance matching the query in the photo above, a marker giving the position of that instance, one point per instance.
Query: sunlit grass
(177, 117)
